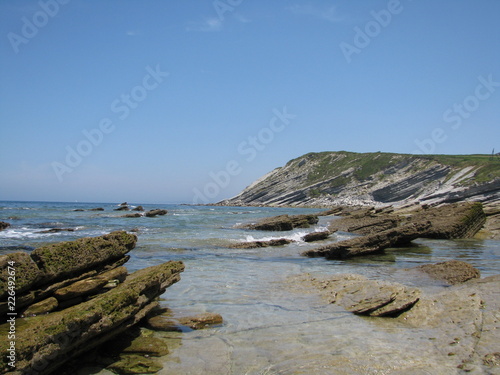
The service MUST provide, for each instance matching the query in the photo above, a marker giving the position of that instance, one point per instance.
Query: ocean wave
(23, 232)
(295, 236)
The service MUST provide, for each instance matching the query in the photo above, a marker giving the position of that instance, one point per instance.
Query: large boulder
(45, 342)
(4, 225)
(371, 243)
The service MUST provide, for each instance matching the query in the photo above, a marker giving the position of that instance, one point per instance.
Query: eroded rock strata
(375, 179)
(74, 296)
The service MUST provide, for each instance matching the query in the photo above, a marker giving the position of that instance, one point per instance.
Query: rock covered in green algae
(166, 322)
(46, 342)
(65, 259)
(131, 364)
(26, 272)
(42, 307)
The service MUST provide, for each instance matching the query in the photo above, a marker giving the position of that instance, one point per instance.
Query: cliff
(347, 178)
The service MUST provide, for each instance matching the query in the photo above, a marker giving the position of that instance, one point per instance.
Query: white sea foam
(294, 236)
(23, 232)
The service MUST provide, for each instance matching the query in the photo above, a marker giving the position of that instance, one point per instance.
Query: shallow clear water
(272, 325)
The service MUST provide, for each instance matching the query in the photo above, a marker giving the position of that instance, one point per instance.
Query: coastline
(220, 276)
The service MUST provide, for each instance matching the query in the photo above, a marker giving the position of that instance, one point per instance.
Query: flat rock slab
(453, 271)
(362, 296)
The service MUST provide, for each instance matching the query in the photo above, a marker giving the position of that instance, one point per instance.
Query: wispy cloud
(208, 25)
(242, 19)
(329, 14)
(133, 33)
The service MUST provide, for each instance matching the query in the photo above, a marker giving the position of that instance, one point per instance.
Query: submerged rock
(166, 322)
(138, 208)
(57, 230)
(131, 364)
(132, 215)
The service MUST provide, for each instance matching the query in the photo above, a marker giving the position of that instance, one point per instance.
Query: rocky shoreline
(73, 297)
(463, 319)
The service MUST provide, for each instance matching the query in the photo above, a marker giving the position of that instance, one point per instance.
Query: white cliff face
(375, 179)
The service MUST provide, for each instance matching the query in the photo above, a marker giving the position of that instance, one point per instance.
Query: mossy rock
(26, 272)
(42, 307)
(66, 259)
(80, 288)
(142, 344)
(46, 342)
(130, 364)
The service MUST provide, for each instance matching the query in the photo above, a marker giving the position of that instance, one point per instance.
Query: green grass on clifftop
(362, 166)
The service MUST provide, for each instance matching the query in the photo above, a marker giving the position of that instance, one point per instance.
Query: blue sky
(190, 101)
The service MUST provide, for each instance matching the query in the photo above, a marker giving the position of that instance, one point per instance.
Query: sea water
(272, 323)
